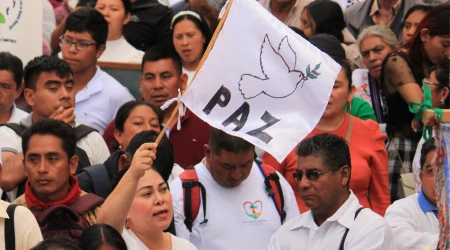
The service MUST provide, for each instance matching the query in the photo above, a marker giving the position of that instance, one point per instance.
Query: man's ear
(183, 82)
(207, 150)
(19, 90)
(29, 96)
(24, 168)
(100, 50)
(345, 175)
(73, 164)
(124, 160)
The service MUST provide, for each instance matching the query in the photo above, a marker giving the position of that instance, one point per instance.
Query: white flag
(261, 81)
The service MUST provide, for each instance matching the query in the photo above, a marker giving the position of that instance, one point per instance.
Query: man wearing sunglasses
(336, 220)
(414, 220)
(98, 95)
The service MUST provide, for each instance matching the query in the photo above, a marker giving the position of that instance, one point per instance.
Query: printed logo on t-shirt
(253, 209)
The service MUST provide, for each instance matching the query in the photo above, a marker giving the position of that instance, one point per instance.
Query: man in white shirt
(11, 73)
(239, 213)
(98, 95)
(336, 219)
(19, 226)
(413, 219)
(49, 89)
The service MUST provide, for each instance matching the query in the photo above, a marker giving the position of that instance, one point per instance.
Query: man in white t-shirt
(98, 95)
(239, 213)
(11, 73)
(49, 89)
(336, 219)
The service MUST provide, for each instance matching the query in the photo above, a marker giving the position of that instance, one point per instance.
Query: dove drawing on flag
(274, 83)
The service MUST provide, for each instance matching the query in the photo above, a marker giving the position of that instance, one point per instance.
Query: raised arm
(398, 76)
(115, 209)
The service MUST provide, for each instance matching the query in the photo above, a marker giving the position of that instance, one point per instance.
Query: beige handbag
(406, 179)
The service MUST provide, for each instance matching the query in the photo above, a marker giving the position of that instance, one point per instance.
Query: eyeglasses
(427, 82)
(312, 175)
(80, 45)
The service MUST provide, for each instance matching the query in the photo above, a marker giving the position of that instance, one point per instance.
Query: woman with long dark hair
(401, 79)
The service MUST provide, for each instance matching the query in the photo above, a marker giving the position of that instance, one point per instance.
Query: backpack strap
(191, 197)
(100, 179)
(86, 202)
(341, 247)
(16, 127)
(83, 130)
(10, 235)
(273, 188)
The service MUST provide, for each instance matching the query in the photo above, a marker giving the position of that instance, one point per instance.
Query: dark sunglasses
(310, 175)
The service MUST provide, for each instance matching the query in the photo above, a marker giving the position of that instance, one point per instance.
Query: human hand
(143, 160)
(64, 115)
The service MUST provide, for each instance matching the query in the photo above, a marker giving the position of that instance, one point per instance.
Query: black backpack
(83, 160)
(10, 235)
(100, 180)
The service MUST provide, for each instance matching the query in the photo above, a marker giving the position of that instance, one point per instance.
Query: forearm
(12, 173)
(115, 209)
(57, 32)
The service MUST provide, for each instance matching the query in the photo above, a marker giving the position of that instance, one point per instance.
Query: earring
(127, 226)
(442, 103)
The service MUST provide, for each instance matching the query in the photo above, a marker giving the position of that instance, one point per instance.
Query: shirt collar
(424, 203)
(374, 10)
(345, 215)
(93, 87)
(27, 121)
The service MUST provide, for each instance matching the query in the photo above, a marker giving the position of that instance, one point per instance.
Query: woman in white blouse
(140, 207)
(118, 13)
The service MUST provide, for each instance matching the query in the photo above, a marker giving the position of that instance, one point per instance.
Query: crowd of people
(81, 169)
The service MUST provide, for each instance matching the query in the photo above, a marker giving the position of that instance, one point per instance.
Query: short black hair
(333, 150)
(53, 127)
(165, 156)
(328, 17)
(42, 64)
(98, 235)
(88, 19)
(12, 64)
(57, 244)
(160, 52)
(220, 140)
(426, 148)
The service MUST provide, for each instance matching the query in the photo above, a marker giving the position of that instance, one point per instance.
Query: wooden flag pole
(205, 55)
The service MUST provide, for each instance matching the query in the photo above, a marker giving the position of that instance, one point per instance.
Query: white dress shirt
(97, 104)
(368, 232)
(26, 229)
